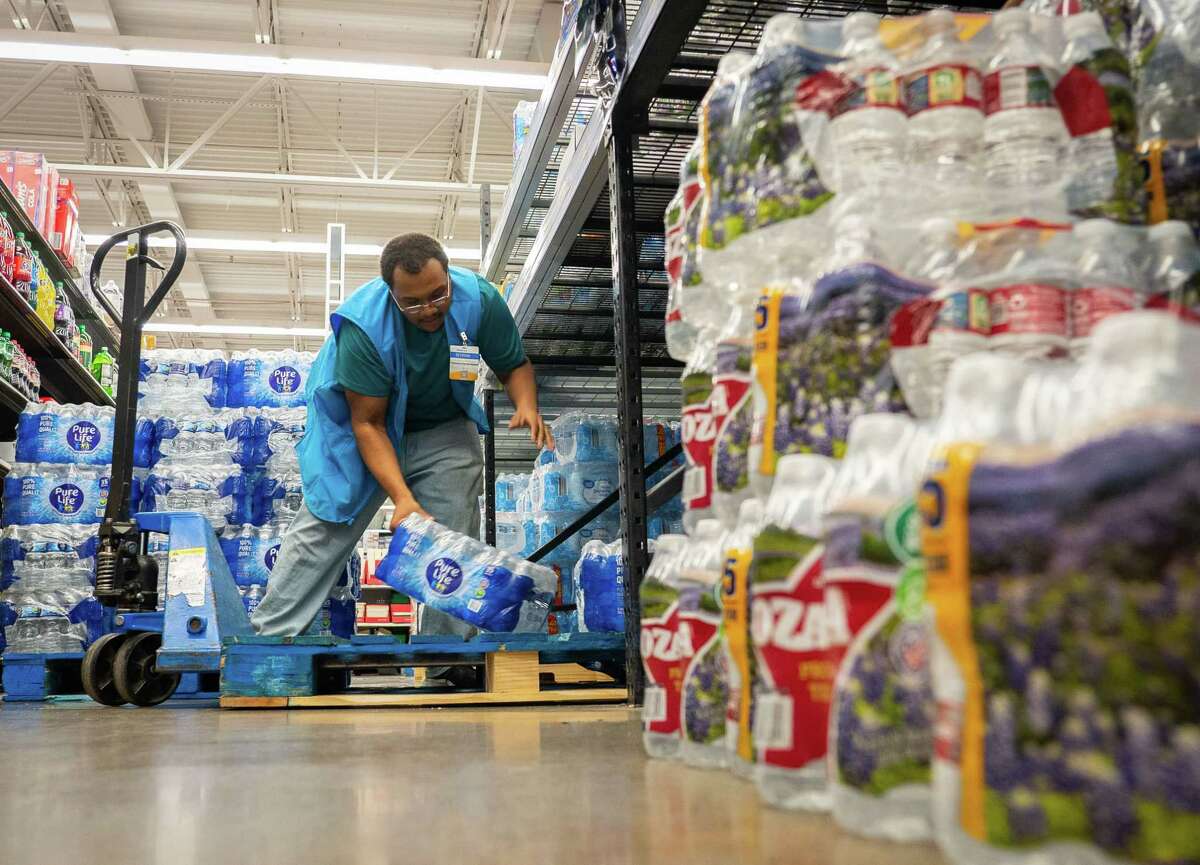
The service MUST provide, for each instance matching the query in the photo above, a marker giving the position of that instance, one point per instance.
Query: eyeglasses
(434, 302)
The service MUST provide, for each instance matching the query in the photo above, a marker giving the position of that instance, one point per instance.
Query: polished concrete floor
(82, 784)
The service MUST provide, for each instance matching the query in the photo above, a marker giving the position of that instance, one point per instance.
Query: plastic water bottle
(1023, 131)
(85, 347)
(8, 246)
(6, 357)
(252, 596)
(1175, 280)
(869, 127)
(1102, 162)
(943, 94)
(47, 297)
(1109, 281)
(23, 270)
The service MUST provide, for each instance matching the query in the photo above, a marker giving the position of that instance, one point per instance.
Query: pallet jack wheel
(134, 673)
(97, 670)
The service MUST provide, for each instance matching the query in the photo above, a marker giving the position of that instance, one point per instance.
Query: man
(391, 414)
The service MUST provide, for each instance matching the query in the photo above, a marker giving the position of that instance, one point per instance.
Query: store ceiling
(88, 113)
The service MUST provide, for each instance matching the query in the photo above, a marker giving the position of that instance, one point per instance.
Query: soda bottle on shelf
(8, 246)
(23, 268)
(85, 347)
(35, 378)
(63, 317)
(46, 297)
(869, 126)
(1023, 131)
(943, 95)
(6, 357)
(104, 370)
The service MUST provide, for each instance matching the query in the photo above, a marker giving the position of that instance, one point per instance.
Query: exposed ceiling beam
(289, 61)
(129, 172)
(249, 241)
(128, 116)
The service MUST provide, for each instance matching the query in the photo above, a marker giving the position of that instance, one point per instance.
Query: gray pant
(444, 469)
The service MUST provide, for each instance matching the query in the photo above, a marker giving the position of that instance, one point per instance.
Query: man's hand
(539, 430)
(404, 507)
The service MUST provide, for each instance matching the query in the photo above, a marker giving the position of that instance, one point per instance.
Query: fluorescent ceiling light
(291, 244)
(267, 59)
(232, 329)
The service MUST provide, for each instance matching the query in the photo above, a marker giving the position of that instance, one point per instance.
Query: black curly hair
(410, 252)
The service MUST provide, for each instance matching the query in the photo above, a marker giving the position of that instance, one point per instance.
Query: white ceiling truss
(272, 118)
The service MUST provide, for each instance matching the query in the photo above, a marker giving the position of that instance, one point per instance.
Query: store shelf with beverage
(62, 375)
(60, 273)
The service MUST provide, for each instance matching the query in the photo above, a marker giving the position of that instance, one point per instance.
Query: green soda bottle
(6, 356)
(85, 348)
(103, 370)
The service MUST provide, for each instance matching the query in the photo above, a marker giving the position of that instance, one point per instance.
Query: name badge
(464, 362)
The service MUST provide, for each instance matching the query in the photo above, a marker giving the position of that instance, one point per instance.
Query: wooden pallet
(34, 677)
(278, 673)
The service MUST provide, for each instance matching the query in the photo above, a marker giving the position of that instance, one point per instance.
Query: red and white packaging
(49, 195)
(27, 175)
(65, 237)
(698, 431)
(1029, 317)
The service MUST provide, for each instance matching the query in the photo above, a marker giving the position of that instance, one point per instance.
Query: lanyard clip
(463, 334)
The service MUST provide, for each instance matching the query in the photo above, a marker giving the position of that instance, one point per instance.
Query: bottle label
(1028, 309)
(735, 611)
(965, 311)
(698, 430)
(877, 88)
(1016, 87)
(1090, 306)
(951, 85)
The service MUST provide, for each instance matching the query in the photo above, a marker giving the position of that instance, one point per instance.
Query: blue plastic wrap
(462, 577)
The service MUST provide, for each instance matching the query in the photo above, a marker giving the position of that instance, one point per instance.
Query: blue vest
(337, 483)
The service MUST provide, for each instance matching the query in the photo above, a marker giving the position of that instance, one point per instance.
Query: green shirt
(427, 360)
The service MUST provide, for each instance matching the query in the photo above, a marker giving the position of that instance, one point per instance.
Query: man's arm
(521, 386)
(368, 419)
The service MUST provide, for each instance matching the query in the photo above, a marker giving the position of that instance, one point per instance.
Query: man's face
(423, 297)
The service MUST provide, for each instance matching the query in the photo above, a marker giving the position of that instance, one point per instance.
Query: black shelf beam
(654, 42)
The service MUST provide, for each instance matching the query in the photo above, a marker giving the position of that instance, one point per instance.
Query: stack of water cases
(940, 413)
(218, 436)
(54, 498)
(579, 473)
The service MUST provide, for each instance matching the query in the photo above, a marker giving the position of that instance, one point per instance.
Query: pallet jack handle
(125, 575)
(143, 232)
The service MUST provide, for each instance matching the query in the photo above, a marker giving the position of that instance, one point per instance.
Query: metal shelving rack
(590, 289)
(63, 377)
(85, 311)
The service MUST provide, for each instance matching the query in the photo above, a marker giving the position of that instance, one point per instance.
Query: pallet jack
(142, 659)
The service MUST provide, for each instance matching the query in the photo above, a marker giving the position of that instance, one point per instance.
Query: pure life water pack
(269, 378)
(448, 571)
(65, 434)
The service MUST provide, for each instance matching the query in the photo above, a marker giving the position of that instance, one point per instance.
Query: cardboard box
(50, 193)
(27, 175)
(378, 614)
(402, 614)
(64, 237)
